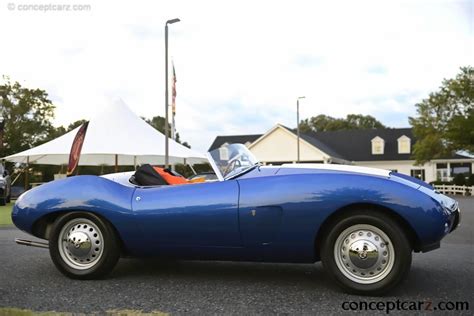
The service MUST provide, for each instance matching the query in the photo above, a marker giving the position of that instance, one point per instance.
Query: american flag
(173, 93)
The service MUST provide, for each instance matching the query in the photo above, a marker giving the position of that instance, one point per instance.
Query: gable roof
(356, 145)
(233, 139)
(316, 143)
(351, 145)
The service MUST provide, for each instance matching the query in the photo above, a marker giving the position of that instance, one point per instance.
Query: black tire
(389, 277)
(110, 252)
(3, 201)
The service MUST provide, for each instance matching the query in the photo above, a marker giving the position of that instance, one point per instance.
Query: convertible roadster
(362, 223)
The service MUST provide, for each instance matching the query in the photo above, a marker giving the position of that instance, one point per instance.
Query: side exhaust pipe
(32, 243)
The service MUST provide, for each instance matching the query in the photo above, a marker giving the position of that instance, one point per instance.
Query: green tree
(61, 130)
(322, 123)
(28, 114)
(158, 123)
(445, 120)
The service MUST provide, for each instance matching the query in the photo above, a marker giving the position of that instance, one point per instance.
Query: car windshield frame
(234, 160)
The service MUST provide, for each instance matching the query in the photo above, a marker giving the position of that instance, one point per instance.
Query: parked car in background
(5, 185)
(16, 191)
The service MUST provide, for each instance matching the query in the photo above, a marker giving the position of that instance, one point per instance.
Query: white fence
(454, 189)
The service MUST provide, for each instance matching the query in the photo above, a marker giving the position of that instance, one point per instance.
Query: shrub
(470, 180)
(459, 179)
(439, 182)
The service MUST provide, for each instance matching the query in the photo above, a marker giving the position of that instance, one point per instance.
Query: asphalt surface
(29, 280)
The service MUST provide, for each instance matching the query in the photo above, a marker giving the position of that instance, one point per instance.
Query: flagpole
(166, 91)
(173, 128)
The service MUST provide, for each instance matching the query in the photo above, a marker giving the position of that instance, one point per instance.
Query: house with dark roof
(378, 148)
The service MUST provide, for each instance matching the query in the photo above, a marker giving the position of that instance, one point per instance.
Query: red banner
(76, 148)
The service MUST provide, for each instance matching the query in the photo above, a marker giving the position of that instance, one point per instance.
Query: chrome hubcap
(80, 243)
(364, 254)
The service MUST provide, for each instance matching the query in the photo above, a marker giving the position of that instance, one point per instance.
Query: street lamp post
(298, 127)
(166, 92)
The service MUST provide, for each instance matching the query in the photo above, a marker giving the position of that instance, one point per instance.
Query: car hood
(445, 201)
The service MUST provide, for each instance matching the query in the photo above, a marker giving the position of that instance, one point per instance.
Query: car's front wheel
(367, 252)
(83, 246)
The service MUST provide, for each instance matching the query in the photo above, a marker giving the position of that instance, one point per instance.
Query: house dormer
(404, 145)
(378, 145)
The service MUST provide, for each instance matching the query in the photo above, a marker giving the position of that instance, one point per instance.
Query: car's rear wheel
(83, 246)
(3, 201)
(367, 252)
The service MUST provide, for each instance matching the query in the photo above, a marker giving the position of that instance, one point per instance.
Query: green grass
(6, 214)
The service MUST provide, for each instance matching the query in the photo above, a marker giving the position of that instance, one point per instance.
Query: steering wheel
(234, 162)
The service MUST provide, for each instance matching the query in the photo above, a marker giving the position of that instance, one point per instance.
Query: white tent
(115, 133)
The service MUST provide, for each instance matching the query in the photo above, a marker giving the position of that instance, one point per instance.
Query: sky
(240, 65)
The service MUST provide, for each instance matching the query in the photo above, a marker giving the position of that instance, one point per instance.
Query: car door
(189, 215)
(260, 212)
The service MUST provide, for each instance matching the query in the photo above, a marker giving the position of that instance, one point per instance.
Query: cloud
(240, 65)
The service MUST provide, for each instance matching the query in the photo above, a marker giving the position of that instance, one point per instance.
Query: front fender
(309, 199)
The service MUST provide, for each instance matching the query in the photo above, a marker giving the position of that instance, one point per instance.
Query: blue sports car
(362, 223)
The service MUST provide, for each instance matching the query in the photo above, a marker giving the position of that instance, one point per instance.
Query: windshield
(231, 160)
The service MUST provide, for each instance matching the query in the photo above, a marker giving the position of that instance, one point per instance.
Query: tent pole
(116, 163)
(27, 171)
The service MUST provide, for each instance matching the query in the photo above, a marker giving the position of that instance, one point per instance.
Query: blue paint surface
(268, 214)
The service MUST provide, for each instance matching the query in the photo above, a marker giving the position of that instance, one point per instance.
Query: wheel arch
(42, 226)
(343, 211)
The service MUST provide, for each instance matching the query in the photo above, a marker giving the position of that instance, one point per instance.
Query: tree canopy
(445, 119)
(158, 123)
(322, 123)
(28, 115)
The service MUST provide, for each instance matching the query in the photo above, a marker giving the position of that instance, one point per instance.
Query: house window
(418, 173)
(442, 172)
(446, 172)
(378, 145)
(404, 145)
(458, 168)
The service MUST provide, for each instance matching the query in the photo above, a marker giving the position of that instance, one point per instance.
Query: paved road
(28, 279)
